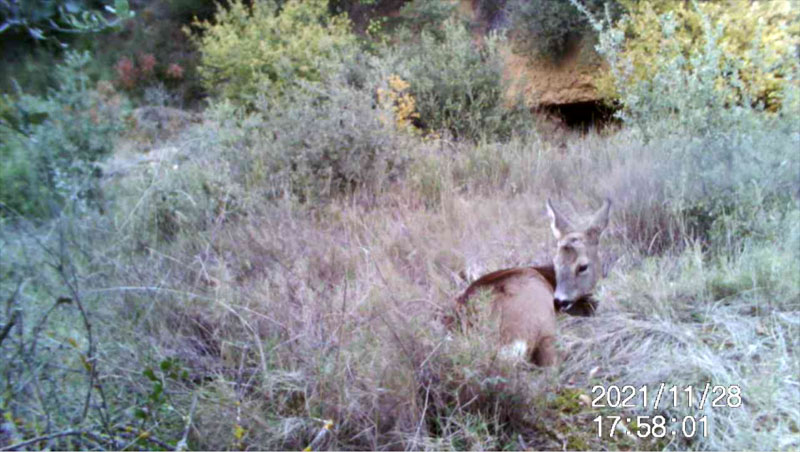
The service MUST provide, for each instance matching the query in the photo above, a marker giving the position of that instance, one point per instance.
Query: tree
(42, 19)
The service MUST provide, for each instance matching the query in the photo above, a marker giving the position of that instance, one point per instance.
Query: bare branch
(12, 314)
(182, 444)
(7, 327)
(29, 442)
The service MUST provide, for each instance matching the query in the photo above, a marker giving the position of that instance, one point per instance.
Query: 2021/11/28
(615, 397)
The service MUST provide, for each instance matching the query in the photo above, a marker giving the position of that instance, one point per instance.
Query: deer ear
(599, 221)
(559, 224)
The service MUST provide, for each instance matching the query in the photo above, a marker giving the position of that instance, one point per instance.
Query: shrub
(174, 71)
(458, 85)
(146, 74)
(428, 15)
(171, 199)
(547, 29)
(697, 86)
(319, 141)
(247, 50)
(44, 20)
(50, 145)
(715, 147)
(126, 73)
(758, 42)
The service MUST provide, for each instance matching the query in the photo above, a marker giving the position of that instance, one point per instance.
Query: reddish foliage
(147, 62)
(175, 71)
(126, 73)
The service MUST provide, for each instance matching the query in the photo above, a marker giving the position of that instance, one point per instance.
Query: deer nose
(560, 303)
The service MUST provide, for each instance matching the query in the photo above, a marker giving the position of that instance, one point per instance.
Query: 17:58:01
(655, 426)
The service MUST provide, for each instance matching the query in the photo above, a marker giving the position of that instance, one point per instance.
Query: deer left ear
(599, 221)
(559, 224)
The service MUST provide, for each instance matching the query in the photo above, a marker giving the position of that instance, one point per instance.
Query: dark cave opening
(583, 116)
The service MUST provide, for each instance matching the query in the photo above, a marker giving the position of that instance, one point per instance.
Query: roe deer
(526, 298)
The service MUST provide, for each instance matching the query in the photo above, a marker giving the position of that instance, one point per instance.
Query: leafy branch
(41, 20)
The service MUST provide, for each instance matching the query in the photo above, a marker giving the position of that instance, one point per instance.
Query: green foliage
(549, 28)
(250, 50)
(428, 15)
(27, 69)
(152, 53)
(317, 142)
(756, 41)
(703, 128)
(157, 405)
(50, 145)
(43, 18)
(699, 89)
(458, 85)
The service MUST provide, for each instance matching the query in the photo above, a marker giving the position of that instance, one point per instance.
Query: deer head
(576, 262)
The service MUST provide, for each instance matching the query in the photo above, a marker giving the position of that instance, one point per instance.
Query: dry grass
(286, 315)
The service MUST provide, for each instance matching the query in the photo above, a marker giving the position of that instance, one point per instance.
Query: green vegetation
(261, 49)
(757, 45)
(550, 29)
(50, 145)
(458, 86)
(273, 272)
(42, 19)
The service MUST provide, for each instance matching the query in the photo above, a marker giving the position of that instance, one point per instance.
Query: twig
(256, 337)
(38, 327)
(158, 442)
(45, 438)
(521, 441)
(321, 435)
(71, 282)
(7, 328)
(145, 436)
(182, 444)
(422, 416)
(12, 315)
(149, 288)
(340, 328)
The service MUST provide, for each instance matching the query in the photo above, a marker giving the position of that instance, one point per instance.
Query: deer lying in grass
(526, 298)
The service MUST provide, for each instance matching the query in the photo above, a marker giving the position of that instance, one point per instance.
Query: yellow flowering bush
(759, 38)
(246, 50)
(399, 101)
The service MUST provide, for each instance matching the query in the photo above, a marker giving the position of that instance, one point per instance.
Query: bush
(715, 146)
(547, 29)
(757, 41)
(171, 200)
(428, 15)
(317, 142)
(50, 145)
(44, 19)
(146, 73)
(698, 86)
(247, 50)
(458, 85)
(152, 50)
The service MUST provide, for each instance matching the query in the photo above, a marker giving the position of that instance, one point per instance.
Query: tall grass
(210, 308)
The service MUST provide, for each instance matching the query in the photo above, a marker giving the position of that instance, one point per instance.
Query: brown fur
(584, 307)
(524, 302)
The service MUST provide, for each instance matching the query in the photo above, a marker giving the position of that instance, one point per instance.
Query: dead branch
(182, 444)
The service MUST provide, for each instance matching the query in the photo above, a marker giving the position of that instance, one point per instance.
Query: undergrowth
(276, 276)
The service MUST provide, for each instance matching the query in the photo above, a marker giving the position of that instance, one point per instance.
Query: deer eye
(582, 268)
